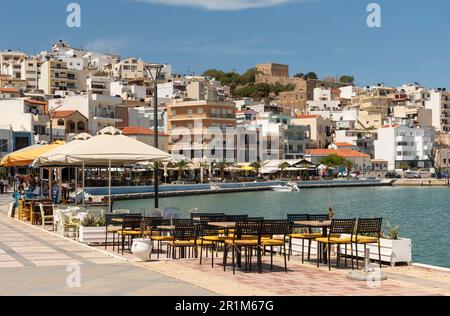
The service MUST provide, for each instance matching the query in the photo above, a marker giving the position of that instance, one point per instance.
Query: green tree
(257, 165)
(222, 166)
(333, 161)
(347, 79)
(349, 166)
(310, 75)
(282, 167)
(181, 166)
(299, 75)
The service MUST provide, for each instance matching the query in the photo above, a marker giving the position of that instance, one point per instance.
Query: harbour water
(422, 213)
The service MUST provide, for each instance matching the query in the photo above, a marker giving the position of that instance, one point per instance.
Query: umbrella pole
(41, 178)
(50, 183)
(76, 184)
(82, 196)
(109, 186)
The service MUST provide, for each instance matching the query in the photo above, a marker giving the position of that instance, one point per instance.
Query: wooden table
(318, 224)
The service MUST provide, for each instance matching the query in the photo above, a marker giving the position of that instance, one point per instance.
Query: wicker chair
(338, 226)
(365, 227)
(274, 228)
(183, 238)
(131, 227)
(156, 234)
(244, 228)
(112, 227)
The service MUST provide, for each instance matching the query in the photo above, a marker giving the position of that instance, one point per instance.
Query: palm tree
(222, 165)
(181, 165)
(257, 165)
(204, 166)
(349, 167)
(282, 167)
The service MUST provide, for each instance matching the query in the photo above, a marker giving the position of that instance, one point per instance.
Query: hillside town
(266, 114)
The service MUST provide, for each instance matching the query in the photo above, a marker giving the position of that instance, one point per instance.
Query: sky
(329, 37)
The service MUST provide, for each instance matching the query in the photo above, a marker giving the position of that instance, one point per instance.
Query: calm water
(422, 213)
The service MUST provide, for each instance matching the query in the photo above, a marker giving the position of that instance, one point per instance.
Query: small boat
(289, 187)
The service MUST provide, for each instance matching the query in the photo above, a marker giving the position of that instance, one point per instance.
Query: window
(81, 126)
(39, 130)
(3, 145)
(60, 122)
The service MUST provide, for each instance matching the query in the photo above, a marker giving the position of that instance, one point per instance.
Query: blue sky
(329, 37)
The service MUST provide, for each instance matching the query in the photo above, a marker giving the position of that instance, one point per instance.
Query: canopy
(45, 159)
(269, 170)
(26, 156)
(109, 147)
(248, 168)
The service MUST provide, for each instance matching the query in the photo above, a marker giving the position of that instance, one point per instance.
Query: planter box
(392, 251)
(92, 235)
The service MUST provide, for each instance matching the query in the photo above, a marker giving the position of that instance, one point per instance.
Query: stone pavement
(303, 279)
(35, 262)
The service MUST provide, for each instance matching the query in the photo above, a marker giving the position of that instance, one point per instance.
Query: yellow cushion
(129, 232)
(162, 238)
(364, 239)
(113, 229)
(204, 242)
(333, 240)
(215, 238)
(182, 242)
(306, 236)
(272, 242)
(241, 242)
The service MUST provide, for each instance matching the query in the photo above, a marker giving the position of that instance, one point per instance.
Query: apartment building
(192, 126)
(439, 104)
(362, 140)
(128, 91)
(25, 115)
(11, 63)
(420, 116)
(100, 110)
(7, 81)
(143, 116)
(31, 71)
(99, 84)
(321, 129)
(402, 144)
(130, 68)
(56, 77)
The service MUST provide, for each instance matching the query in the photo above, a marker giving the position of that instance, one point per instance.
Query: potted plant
(93, 229)
(393, 249)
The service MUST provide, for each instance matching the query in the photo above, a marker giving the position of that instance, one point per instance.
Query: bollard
(367, 261)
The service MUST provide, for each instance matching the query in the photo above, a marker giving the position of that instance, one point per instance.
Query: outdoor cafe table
(318, 224)
(33, 203)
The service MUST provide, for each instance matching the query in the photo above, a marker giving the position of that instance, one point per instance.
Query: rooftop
(138, 130)
(346, 153)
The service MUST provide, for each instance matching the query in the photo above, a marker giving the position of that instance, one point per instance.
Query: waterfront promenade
(34, 261)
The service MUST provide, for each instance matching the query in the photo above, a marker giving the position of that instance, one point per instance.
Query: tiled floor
(36, 262)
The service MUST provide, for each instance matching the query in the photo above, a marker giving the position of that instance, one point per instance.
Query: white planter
(92, 235)
(142, 248)
(392, 251)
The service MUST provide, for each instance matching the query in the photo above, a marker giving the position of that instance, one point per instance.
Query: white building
(143, 116)
(30, 71)
(322, 94)
(439, 103)
(403, 144)
(348, 92)
(101, 110)
(11, 63)
(128, 92)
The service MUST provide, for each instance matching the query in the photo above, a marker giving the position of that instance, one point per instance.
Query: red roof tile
(8, 90)
(36, 102)
(346, 153)
(344, 144)
(137, 130)
(63, 114)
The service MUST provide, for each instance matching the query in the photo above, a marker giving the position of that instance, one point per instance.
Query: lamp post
(154, 70)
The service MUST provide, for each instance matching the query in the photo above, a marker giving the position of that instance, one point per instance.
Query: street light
(153, 71)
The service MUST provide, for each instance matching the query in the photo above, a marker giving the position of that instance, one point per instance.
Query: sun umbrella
(248, 168)
(26, 156)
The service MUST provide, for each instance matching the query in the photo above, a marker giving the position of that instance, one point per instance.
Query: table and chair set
(244, 238)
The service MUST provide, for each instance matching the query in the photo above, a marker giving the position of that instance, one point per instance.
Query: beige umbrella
(109, 148)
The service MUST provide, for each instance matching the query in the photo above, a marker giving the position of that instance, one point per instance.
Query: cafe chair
(183, 239)
(131, 228)
(278, 229)
(338, 227)
(209, 237)
(112, 227)
(238, 241)
(157, 234)
(368, 231)
(45, 219)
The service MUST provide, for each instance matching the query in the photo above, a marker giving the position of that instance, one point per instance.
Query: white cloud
(221, 5)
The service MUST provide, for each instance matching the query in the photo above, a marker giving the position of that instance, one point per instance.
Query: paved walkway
(35, 262)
